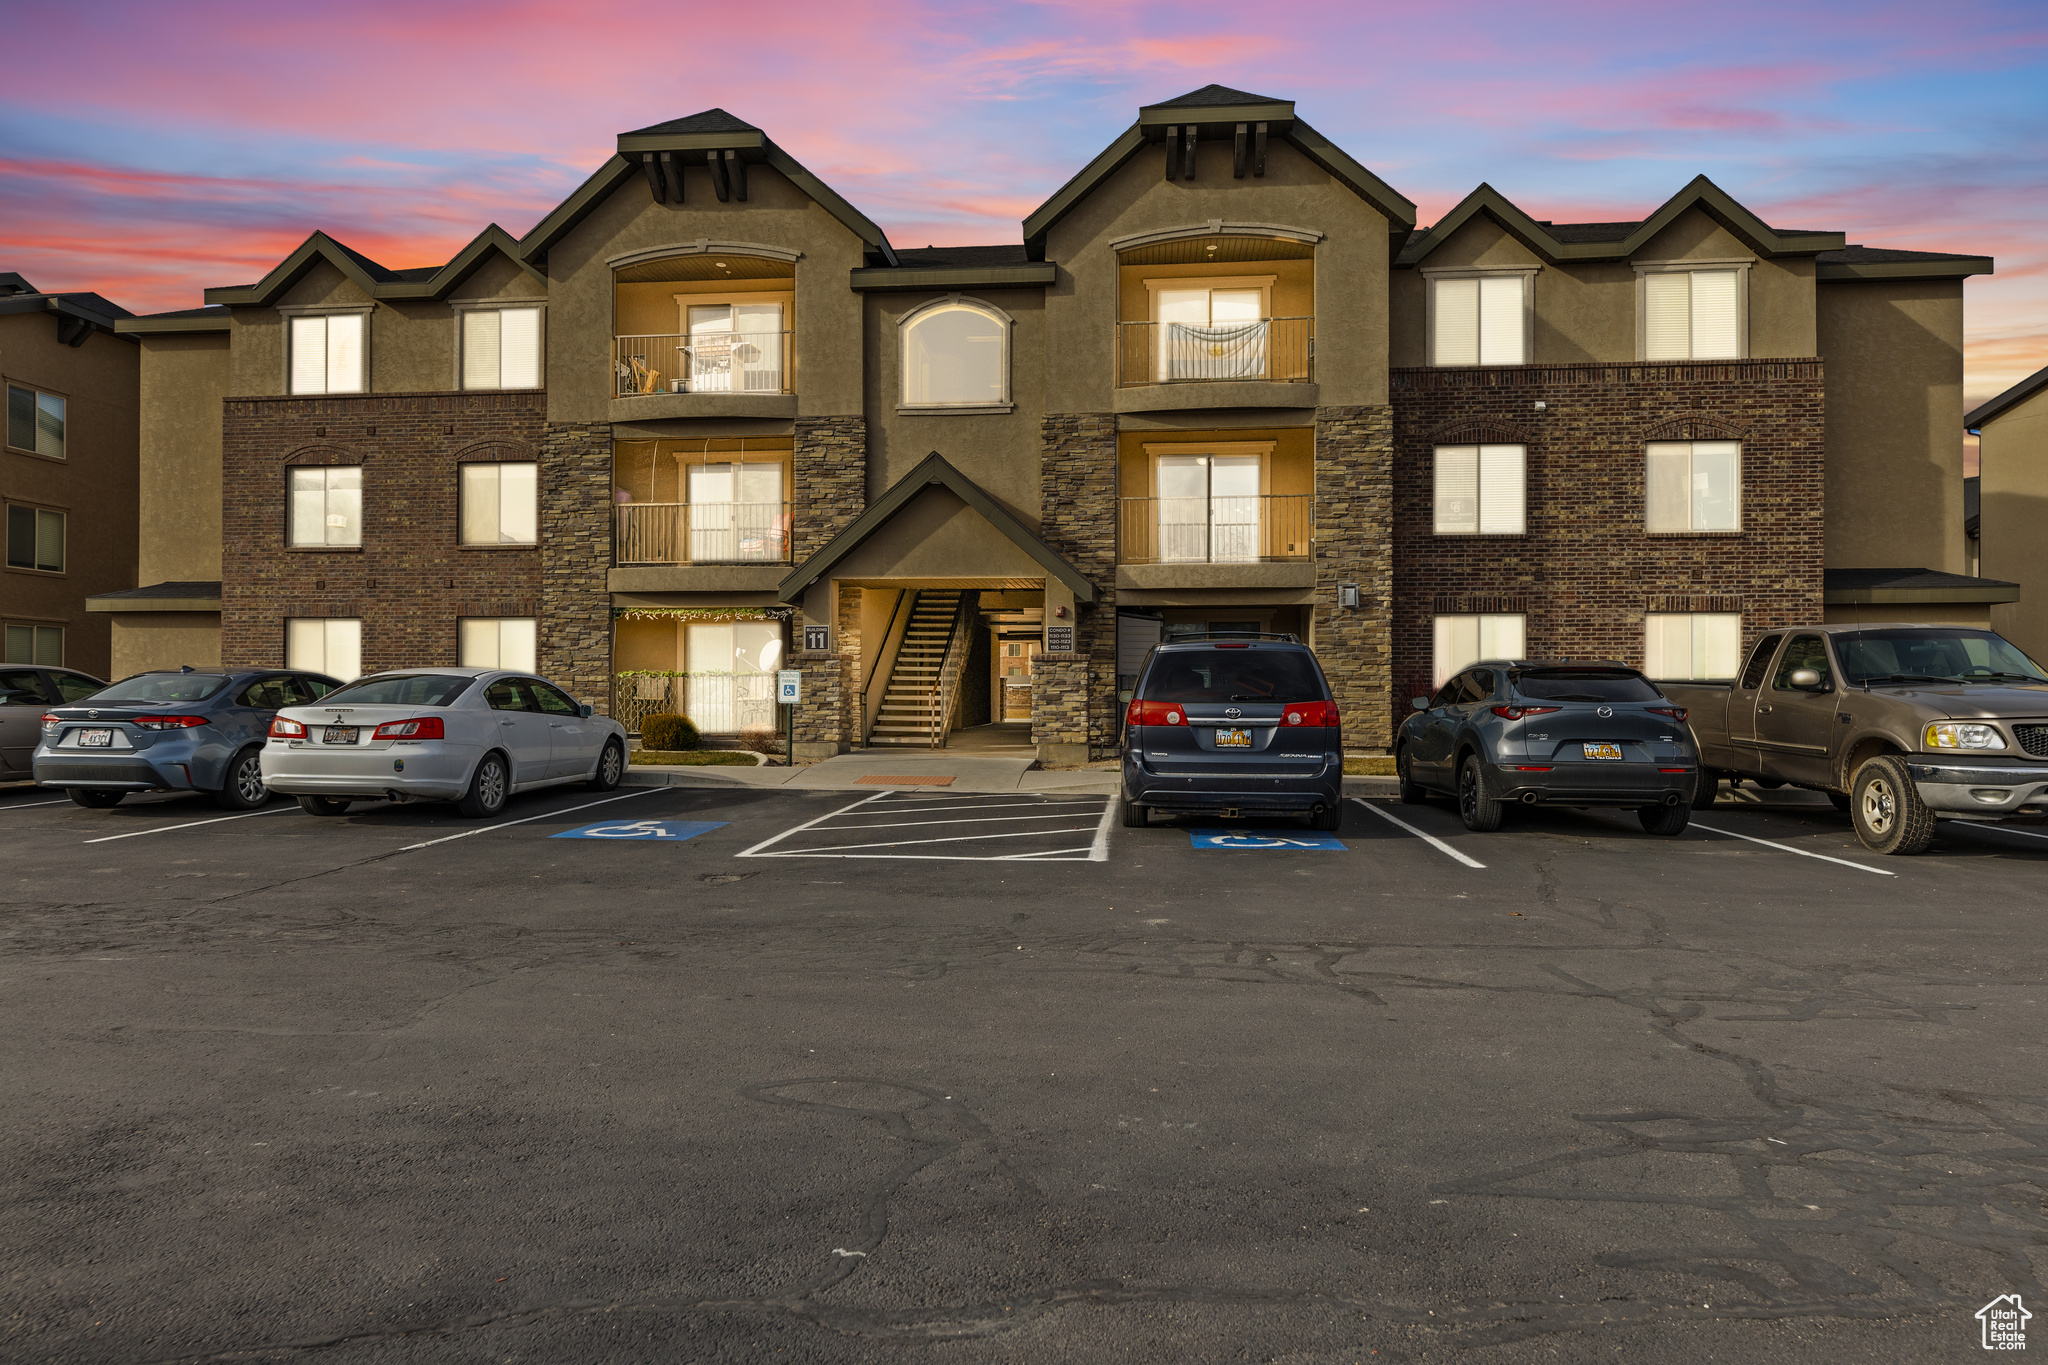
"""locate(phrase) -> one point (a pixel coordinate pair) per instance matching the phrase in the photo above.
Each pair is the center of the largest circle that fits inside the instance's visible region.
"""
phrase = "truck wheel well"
(1864, 751)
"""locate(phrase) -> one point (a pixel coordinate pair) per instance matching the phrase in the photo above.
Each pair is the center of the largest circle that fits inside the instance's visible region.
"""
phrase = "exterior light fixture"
(1541, 406)
(1347, 595)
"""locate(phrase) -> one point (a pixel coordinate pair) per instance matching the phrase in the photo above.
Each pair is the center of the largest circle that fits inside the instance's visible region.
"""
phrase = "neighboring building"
(67, 472)
(2012, 471)
(705, 421)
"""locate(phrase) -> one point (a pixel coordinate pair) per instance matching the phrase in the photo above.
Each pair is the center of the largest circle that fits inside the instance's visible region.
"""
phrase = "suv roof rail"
(1281, 637)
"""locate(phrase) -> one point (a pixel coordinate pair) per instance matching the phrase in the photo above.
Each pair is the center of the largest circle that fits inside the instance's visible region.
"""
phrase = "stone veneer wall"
(1073, 696)
(1586, 571)
(830, 477)
(1354, 544)
(575, 559)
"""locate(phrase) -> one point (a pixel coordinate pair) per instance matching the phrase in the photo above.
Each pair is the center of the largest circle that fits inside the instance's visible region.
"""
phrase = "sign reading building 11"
(817, 639)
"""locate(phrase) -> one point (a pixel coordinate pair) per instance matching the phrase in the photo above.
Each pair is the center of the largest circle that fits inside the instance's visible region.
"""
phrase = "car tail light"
(426, 727)
(169, 722)
(1517, 712)
(1675, 712)
(51, 722)
(280, 728)
(1312, 713)
(1239, 645)
(1674, 770)
(1155, 713)
(1527, 769)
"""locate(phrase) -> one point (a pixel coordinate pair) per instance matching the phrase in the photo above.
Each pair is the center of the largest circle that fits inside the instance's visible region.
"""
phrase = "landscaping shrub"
(759, 739)
(668, 732)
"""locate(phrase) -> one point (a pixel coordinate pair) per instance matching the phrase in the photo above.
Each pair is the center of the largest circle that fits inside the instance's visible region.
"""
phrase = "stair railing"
(944, 695)
(883, 665)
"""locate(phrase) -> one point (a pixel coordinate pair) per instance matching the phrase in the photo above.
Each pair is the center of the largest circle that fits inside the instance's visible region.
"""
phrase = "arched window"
(956, 354)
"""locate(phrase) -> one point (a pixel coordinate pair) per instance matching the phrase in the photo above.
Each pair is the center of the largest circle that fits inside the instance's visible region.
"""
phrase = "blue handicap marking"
(1259, 838)
(644, 830)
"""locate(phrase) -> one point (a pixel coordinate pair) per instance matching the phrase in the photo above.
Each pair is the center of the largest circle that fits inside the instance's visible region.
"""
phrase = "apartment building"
(2012, 449)
(67, 472)
(705, 421)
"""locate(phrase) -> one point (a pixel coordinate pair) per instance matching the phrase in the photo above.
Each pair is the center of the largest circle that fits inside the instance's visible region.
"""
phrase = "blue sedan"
(190, 730)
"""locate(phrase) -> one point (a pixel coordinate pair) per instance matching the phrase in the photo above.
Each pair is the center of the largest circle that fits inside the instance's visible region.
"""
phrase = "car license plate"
(340, 734)
(1611, 751)
(95, 739)
(1233, 739)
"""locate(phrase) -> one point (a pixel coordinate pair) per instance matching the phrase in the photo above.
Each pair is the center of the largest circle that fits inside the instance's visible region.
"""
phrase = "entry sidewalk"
(969, 772)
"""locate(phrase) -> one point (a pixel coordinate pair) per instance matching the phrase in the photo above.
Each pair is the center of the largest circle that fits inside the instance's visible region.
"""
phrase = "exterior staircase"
(916, 684)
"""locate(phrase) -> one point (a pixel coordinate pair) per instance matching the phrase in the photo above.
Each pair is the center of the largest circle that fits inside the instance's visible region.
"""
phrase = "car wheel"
(1665, 819)
(1706, 788)
(1329, 820)
(1477, 805)
(1136, 816)
(95, 800)
(1413, 793)
(488, 787)
(1887, 810)
(323, 805)
(611, 767)
(1839, 800)
(242, 786)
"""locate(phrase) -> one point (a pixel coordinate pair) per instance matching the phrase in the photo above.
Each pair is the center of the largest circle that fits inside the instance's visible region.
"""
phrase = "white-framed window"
(1699, 644)
(1481, 490)
(499, 642)
(742, 346)
(501, 348)
(331, 644)
(1692, 486)
(730, 683)
(35, 421)
(500, 503)
(327, 505)
(1463, 640)
(327, 353)
(1212, 329)
(1693, 312)
(1479, 319)
(956, 354)
(34, 645)
(35, 538)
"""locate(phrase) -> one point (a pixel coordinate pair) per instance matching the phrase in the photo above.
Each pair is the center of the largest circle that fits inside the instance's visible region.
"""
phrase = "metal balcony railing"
(716, 703)
(705, 362)
(1216, 530)
(700, 533)
(1274, 350)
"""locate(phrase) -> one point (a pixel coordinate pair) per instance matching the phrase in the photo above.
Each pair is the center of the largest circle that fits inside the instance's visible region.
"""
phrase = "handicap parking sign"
(1263, 839)
(647, 831)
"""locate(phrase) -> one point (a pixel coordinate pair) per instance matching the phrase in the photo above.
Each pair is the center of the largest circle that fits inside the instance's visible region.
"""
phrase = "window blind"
(1500, 319)
(1715, 335)
(1502, 473)
(309, 355)
(519, 348)
(1457, 323)
(1668, 486)
(345, 353)
(1691, 644)
(50, 541)
(1462, 640)
(1457, 490)
(1481, 490)
(1667, 316)
(1693, 486)
(480, 337)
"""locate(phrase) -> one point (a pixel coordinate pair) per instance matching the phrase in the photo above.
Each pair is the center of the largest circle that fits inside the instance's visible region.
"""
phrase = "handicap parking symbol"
(644, 830)
(1263, 839)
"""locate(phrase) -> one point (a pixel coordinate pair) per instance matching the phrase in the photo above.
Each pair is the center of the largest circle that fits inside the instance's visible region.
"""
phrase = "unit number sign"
(1059, 639)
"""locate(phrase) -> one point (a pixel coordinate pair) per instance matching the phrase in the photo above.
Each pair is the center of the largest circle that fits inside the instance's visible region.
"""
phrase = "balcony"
(716, 703)
(704, 374)
(1268, 363)
(660, 533)
(1258, 529)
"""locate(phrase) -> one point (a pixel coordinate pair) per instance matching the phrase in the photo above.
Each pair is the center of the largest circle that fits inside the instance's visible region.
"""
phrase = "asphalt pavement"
(730, 1074)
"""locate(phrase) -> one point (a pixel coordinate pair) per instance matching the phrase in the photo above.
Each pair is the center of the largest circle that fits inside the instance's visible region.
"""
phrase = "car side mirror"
(587, 710)
(1419, 703)
(1805, 679)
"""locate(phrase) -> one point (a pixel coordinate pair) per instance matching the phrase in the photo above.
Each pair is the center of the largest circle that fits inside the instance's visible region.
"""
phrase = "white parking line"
(949, 839)
(1860, 867)
(1008, 805)
(1098, 852)
(26, 804)
(921, 824)
(191, 824)
(2002, 829)
(1430, 839)
(755, 851)
(485, 829)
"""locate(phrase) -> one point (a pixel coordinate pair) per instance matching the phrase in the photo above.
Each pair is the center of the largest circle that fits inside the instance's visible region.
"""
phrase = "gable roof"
(375, 280)
(1214, 97)
(2011, 398)
(212, 318)
(933, 469)
(79, 314)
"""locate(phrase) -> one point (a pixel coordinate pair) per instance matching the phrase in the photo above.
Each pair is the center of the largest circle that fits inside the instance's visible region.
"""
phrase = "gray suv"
(1233, 726)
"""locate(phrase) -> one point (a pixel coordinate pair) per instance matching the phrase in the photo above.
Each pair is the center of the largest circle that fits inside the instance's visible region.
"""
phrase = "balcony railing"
(1219, 530)
(716, 703)
(700, 533)
(1273, 350)
(705, 362)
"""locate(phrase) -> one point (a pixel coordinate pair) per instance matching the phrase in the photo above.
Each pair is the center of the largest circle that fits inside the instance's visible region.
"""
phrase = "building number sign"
(1059, 639)
(817, 639)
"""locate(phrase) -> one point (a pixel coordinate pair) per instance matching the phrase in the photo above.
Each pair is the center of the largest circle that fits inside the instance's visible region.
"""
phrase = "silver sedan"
(473, 736)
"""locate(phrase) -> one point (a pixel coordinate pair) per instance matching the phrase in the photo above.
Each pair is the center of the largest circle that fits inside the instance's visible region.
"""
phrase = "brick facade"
(1354, 509)
(1586, 571)
(1073, 696)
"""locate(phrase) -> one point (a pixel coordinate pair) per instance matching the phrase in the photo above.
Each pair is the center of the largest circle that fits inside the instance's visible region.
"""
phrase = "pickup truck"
(1900, 726)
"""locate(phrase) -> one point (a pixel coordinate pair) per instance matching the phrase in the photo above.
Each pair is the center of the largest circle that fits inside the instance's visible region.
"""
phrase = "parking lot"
(706, 1073)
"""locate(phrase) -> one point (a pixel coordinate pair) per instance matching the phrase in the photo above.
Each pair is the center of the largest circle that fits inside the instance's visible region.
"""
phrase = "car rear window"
(1584, 684)
(1232, 675)
(164, 687)
(403, 689)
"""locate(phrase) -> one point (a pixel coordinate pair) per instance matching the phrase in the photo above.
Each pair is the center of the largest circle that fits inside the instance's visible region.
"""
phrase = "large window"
(500, 504)
(1693, 486)
(35, 538)
(330, 645)
(327, 353)
(1692, 314)
(1692, 644)
(734, 347)
(1481, 490)
(327, 505)
(35, 421)
(731, 674)
(501, 348)
(1463, 640)
(1479, 320)
(737, 515)
(955, 354)
(498, 642)
(35, 645)
(1209, 508)
(1216, 329)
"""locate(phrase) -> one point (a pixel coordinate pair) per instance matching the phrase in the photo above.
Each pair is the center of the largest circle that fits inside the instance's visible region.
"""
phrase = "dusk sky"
(149, 150)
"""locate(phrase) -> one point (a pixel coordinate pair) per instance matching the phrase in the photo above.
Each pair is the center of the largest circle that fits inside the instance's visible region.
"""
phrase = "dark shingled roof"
(188, 589)
(1210, 96)
(211, 310)
(1837, 579)
(925, 257)
(11, 283)
(1590, 232)
(1872, 255)
(2012, 397)
(709, 121)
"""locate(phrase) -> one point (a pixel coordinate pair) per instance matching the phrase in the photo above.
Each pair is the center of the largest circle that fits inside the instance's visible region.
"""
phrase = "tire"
(489, 786)
(1887, 810)
(1665, 820)
(1136, 816)
(241, 784)
(1477, 805)
(1413, 793)
(94, 800)
(611, 768)
(1839, 800)
(1328, 821)
(1706, 789)
(323, 805)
